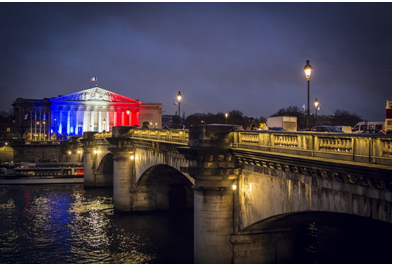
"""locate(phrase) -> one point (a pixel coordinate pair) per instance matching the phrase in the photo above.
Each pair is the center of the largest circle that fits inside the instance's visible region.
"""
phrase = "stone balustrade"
(349, 147)
(177, 136)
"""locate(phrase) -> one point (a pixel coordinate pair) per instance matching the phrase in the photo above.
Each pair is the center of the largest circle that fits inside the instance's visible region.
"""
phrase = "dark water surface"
(70, 224)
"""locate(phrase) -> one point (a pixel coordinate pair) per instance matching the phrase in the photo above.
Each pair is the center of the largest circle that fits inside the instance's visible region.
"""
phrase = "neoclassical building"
(94, 109)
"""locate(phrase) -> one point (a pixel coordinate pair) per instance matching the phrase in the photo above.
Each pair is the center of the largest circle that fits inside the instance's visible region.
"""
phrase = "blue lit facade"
(94, 109)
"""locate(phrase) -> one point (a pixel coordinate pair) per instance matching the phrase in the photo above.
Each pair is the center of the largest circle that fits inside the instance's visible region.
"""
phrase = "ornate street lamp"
(226, 118)
(104, 121)
(307, 71)
(178, 101)
(316, 104)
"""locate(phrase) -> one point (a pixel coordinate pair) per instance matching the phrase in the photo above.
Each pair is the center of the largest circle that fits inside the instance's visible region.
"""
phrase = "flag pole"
(31, 126)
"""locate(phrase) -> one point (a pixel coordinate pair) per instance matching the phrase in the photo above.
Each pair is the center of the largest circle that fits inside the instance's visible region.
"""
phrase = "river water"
(70, 224)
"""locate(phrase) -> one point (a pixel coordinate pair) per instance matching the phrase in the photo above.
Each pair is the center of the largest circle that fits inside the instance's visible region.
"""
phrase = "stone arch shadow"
(162, 187)
(314, 237)
(104, 173)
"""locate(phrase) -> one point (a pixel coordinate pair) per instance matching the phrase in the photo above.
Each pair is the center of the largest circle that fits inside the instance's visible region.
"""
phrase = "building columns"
(135, 117)
(115, 117)
(100, 120)
(92, 119)
(76, 131)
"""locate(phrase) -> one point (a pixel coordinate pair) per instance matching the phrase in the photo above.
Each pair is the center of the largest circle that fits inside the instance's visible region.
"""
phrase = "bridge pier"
(264, 247)
(214, 171)
(213, 219)
(88, 159)
(122, 181)
(123, 172)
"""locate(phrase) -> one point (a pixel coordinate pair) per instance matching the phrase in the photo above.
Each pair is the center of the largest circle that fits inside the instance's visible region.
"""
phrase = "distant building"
(388, 117)
(167, 120)
(94, 109)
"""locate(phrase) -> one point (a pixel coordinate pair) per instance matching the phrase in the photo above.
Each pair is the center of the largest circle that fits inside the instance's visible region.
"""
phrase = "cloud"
(224, 56)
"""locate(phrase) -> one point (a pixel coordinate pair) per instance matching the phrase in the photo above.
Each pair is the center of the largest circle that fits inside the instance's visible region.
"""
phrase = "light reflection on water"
(68, 224)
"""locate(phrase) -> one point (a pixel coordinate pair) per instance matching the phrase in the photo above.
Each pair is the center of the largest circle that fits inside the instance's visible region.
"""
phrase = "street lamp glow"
(317, 107)
(307, 71)
(178, 100)
(316, 103)
(226, 118)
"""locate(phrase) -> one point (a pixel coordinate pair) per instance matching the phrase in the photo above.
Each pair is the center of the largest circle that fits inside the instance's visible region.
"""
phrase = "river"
(70, 224)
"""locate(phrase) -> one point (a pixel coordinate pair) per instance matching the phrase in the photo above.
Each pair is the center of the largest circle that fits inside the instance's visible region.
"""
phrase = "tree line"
(339, 117)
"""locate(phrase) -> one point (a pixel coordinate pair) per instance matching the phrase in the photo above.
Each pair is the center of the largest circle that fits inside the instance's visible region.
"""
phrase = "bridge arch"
(314, 237)
(162, 187)
(104, 171)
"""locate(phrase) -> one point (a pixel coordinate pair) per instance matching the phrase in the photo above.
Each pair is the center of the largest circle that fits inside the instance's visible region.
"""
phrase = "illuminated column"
(85, 120)
(135, 116)
(68, 121)
(99, 120)
(76, 120)
(107, 120)
(122, 116)
(92, 118)
(60, 131)
(115, 117)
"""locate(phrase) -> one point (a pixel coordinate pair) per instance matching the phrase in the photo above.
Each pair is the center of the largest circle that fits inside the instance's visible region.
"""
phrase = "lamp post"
(178, 101)
(104, 121)
(38, 137)
(226, 118)
(316, 104)
(307, 71)
(44, 129)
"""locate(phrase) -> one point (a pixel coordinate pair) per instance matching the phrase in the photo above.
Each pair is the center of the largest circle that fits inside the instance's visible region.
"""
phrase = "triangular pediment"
(95, 94)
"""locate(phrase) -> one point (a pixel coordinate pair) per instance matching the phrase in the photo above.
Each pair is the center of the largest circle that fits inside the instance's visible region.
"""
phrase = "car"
(373, 131)
(280, 129)
(325, 128)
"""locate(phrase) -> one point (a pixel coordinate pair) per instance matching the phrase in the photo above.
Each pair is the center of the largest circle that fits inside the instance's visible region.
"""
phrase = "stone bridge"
(258, 196)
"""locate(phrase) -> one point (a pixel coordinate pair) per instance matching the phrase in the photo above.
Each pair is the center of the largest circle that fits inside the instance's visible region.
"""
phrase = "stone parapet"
(175, 136)
(347, 147)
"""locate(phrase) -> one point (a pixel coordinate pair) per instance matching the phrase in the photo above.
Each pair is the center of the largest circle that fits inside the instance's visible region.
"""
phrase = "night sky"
(221, 56)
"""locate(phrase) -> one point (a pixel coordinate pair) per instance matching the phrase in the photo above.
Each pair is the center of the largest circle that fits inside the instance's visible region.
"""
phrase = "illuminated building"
(388, 117)
(94, 109)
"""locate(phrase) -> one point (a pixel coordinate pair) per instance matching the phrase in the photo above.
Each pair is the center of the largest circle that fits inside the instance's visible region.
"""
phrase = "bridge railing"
(348, 147)
(177, 136)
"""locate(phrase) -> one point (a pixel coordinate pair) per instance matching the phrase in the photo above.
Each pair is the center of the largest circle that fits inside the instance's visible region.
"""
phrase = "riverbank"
(40, 181)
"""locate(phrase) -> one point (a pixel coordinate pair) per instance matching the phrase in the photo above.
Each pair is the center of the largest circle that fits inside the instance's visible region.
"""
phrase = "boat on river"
(41, 173)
